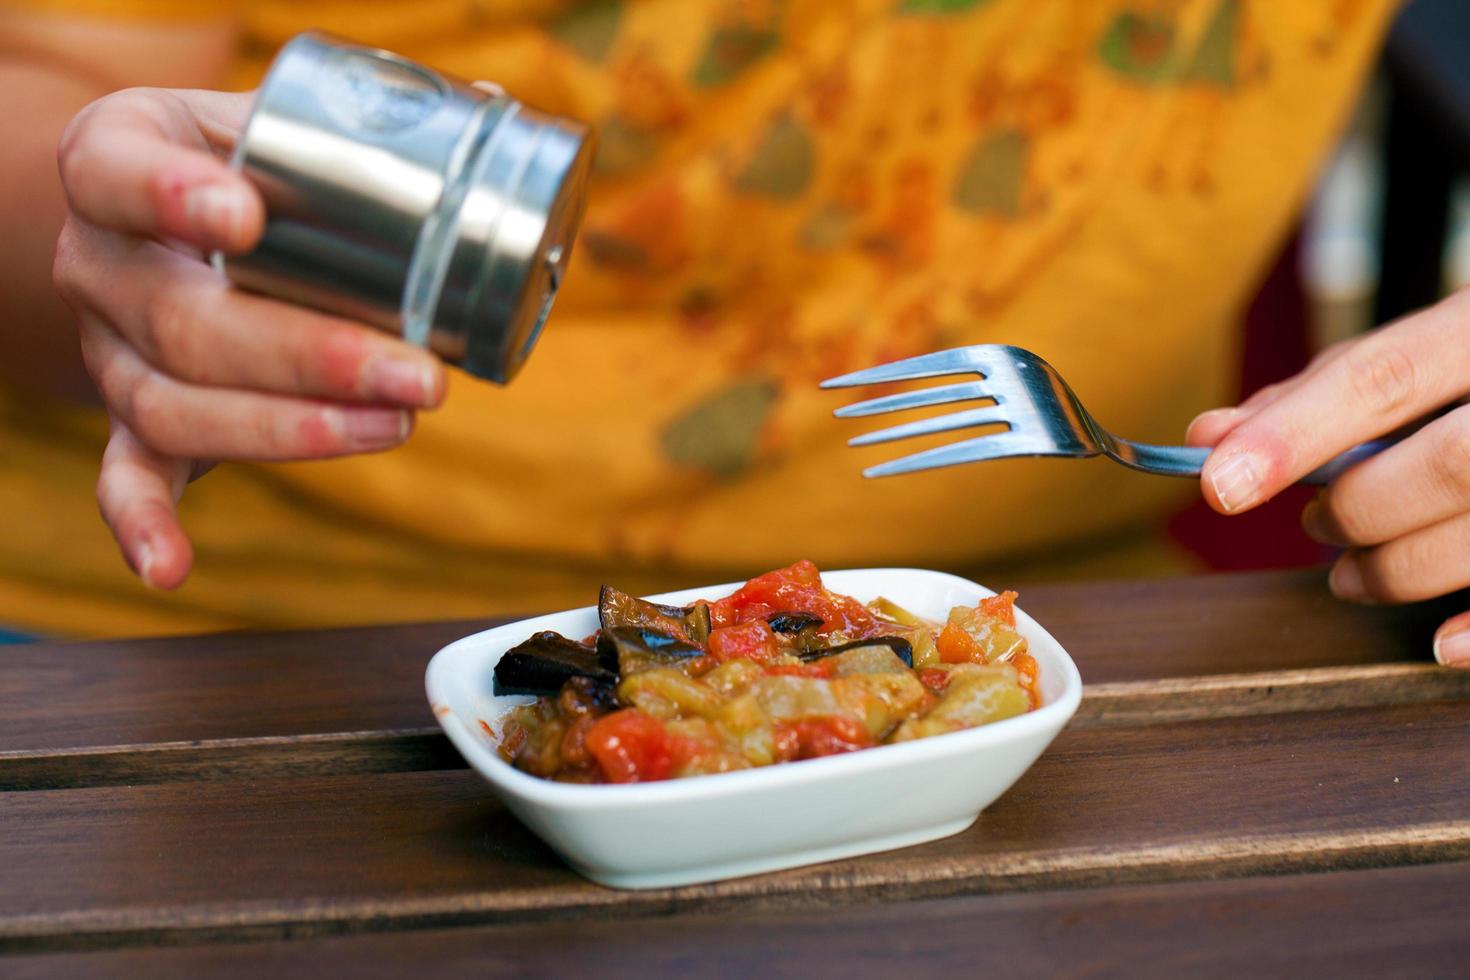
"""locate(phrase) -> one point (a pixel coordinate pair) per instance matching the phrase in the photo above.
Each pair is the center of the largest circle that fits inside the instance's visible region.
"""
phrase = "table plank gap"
(1174, 699)
(1290, 925)
(1124, 703)
(824, 886)
(269, 757)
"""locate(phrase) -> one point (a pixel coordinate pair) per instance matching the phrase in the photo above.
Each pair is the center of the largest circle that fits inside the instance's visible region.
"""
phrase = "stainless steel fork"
(1044, 416)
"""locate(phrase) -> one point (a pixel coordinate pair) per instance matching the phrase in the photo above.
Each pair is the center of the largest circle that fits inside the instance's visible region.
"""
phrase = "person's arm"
(50, 68)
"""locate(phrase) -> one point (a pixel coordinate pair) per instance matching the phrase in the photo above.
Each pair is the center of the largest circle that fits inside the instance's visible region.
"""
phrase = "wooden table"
(1260, 779)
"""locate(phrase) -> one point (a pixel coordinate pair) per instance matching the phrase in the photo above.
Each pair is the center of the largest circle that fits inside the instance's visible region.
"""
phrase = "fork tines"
(960, 360)
(922, 398)
(963, 360)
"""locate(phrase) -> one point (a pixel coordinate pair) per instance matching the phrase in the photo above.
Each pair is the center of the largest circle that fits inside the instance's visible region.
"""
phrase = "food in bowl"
(778, 671)
(671, 832)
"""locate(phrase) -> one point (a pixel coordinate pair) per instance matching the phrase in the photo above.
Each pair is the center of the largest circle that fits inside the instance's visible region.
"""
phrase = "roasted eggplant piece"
(792, 623)
(584, 697)
(629, 649)
(545, 662)
(617, 609)
(900, 647)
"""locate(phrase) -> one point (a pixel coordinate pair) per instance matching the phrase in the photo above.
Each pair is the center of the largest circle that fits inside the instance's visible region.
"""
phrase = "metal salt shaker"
(411, 201)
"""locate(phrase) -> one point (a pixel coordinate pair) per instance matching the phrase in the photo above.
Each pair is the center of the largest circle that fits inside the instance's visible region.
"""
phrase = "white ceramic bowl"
(705, 828)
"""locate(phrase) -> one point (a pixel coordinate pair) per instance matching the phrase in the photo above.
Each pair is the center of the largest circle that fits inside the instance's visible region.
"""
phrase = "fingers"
(1420, 565)
(1210, 427)
(1369, 388)
(138, 161)
(1421, 481)
(188, 322)
(1452, 642)
(220, 116)
(137, 492)
(178, 419)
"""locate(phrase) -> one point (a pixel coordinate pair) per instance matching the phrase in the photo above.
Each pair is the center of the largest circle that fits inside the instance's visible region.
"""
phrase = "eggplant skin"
(641, 643)
(617, 609)
(697, 622)
(546, 661)
(901, 647)
(791, 623)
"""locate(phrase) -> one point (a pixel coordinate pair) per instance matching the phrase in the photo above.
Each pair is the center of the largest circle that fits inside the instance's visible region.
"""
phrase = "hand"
(191, 370)
(1403, 515)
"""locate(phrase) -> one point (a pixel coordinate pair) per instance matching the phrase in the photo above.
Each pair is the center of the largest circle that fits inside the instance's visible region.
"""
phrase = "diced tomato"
(630, 747)
(1030, 672)
(1001, 607)
(933, 678)
(797, 588)
(821, 669)
(801, 572)
(753, 641)
(685, 752)
(785, 743)
(811, 738)
(956, 646)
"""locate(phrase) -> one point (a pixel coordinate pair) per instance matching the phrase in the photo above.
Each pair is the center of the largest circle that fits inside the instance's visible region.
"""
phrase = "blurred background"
(1387, 233)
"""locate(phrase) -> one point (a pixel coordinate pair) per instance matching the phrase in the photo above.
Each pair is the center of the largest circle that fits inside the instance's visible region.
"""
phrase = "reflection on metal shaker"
(411, 201)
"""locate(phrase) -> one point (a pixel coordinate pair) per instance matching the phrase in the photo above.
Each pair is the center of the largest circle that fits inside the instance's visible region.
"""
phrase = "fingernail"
(1453, 650)
(1346, 581)
(396, 380)
(143, 559)
(1237, 482)
(215, 211)
(374, 428)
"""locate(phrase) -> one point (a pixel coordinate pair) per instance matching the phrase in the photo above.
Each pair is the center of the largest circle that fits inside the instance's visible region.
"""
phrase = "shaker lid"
(537, 167)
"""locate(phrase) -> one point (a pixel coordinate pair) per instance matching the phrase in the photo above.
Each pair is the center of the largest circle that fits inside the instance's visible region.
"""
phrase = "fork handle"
(1334, 467)
(1189, 460)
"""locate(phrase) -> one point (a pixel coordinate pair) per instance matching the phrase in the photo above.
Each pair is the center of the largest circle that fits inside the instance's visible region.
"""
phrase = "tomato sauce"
(796, 588)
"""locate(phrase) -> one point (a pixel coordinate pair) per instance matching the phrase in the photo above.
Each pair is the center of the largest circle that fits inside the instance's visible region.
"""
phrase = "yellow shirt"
(785, 190)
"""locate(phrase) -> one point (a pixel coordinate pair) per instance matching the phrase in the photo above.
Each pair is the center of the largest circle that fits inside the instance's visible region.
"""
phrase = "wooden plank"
(221, 686)
(238, 686)
(1382, 922)
(1239, 623)
(1173, 699)
(251, 859)
(1162, 701)
(268, 757)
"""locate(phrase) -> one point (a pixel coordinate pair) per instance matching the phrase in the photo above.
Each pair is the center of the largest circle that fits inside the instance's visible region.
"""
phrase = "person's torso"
(785, 191)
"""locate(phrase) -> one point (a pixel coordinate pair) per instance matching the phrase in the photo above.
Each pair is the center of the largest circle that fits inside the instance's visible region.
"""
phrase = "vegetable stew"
(778, 671)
